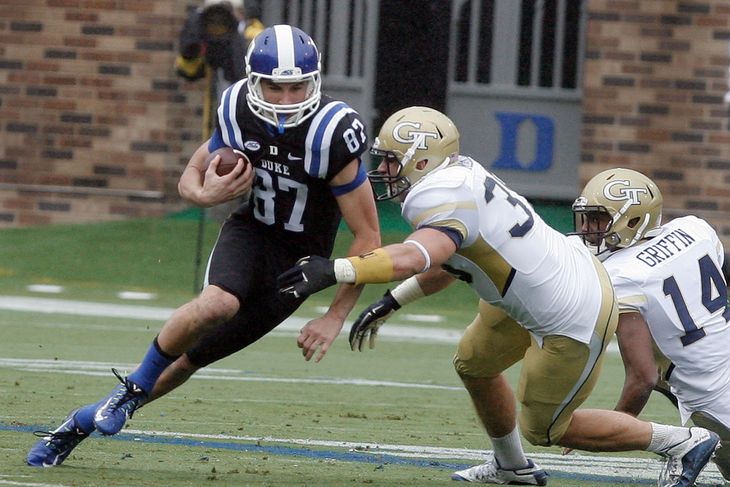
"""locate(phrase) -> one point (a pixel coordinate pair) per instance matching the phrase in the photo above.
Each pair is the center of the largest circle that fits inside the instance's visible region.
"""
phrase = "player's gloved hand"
(311, 274)
(371, 319)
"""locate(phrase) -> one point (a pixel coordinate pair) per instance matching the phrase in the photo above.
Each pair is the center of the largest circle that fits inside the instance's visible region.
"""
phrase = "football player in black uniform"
(305, 174)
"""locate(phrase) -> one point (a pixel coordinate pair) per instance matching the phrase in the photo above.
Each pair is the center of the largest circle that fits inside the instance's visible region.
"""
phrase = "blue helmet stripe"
(270, 59)
(302, 53)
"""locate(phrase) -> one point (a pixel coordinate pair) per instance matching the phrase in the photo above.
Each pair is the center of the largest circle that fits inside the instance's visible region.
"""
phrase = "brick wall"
(94, 123)
(655, 78)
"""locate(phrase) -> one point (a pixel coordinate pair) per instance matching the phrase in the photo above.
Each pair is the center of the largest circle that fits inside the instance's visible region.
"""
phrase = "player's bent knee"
(214, 305)
(536, 437)
(185, 365)
(470, 367)
(534, 430)
(469, 362)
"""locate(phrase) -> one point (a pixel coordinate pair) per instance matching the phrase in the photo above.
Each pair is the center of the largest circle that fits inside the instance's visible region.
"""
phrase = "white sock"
(508, 451)
(664, 437)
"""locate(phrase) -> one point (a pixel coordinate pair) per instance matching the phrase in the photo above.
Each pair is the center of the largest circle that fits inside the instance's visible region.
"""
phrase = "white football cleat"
(686, 459)
(491, 473)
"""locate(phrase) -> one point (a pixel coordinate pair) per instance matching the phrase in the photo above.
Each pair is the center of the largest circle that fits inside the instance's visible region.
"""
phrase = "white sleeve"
(629, 293)
(444, 205)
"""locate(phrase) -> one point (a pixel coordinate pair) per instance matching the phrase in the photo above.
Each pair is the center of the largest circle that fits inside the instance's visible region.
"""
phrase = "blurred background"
(96, 124)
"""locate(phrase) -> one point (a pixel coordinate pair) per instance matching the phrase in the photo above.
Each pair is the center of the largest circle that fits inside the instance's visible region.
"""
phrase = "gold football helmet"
(630, 203)
(409, 136)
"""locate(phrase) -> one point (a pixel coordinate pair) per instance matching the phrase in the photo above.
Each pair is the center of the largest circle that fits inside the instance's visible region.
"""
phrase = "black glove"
(311, 274)
(371, 319)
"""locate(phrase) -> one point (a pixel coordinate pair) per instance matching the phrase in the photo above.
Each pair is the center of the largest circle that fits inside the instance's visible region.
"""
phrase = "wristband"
(407, 291)
(371, 267)
(344, 271)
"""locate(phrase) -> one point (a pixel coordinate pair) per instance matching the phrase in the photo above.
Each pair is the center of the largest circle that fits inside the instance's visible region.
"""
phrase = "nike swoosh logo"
(97, 414)
(293, 158)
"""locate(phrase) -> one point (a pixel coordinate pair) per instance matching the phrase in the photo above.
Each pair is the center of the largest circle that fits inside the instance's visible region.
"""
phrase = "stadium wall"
(95, 125)
(655, 82)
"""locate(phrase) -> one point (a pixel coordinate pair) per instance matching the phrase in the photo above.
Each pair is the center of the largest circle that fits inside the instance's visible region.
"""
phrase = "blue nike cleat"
(686, 460)
(120, 405)
(54, 446)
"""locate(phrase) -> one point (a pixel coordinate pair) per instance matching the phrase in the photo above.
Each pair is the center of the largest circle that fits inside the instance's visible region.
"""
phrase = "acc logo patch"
(252, 145)
(408, 133)
(619, 191)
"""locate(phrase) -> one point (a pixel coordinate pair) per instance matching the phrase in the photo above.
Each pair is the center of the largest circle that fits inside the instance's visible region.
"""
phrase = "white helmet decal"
(624, 193)
(411, 136)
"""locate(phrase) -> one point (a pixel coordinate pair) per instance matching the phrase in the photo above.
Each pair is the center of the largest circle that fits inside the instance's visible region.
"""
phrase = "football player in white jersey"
(545, 300)
(673, 323)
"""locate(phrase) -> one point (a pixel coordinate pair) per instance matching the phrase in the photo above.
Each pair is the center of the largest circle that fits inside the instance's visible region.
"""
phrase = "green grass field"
(396, 415)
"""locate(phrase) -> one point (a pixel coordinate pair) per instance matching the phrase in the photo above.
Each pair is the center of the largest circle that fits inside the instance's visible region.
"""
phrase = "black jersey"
(291, 195)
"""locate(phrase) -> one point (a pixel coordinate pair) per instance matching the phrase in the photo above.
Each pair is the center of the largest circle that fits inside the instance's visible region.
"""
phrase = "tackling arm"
(425, 248)
(374, 316)
(635, 344)
(358, 210)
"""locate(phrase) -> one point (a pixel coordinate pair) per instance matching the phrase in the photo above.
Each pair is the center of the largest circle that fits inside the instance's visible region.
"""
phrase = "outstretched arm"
(368, 323)
(358, 211)
(423, 249)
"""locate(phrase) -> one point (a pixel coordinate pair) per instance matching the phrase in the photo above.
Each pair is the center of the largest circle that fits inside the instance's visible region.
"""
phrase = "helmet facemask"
(594, 224)
(398, 183)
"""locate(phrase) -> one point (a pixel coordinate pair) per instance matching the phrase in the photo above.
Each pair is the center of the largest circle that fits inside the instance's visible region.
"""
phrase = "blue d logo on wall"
(545, 136)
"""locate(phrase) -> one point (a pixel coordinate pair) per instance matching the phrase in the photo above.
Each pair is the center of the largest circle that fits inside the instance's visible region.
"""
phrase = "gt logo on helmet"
(412, 136)
(623, 193)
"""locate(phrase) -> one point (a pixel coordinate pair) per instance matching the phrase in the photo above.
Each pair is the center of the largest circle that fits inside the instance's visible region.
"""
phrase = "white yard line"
(390, 331)
(101, 369)
(26, 484)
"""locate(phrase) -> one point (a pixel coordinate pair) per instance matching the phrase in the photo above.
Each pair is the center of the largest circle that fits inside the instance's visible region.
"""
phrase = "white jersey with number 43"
(544, 280)
(675, 281)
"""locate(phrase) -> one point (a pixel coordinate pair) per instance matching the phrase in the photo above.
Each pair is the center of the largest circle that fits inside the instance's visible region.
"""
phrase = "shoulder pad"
(231, 131)
(321, 137)
(446, 178)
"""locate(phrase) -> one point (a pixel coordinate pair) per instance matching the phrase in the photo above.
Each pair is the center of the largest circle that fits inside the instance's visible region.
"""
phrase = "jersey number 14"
(709, 277)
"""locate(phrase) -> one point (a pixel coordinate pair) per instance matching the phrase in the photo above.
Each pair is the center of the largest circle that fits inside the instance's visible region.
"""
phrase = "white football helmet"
(409, 136)
(632, 202)
(283, 54)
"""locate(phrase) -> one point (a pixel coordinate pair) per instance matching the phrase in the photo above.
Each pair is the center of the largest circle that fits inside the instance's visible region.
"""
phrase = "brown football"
(229, 159)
